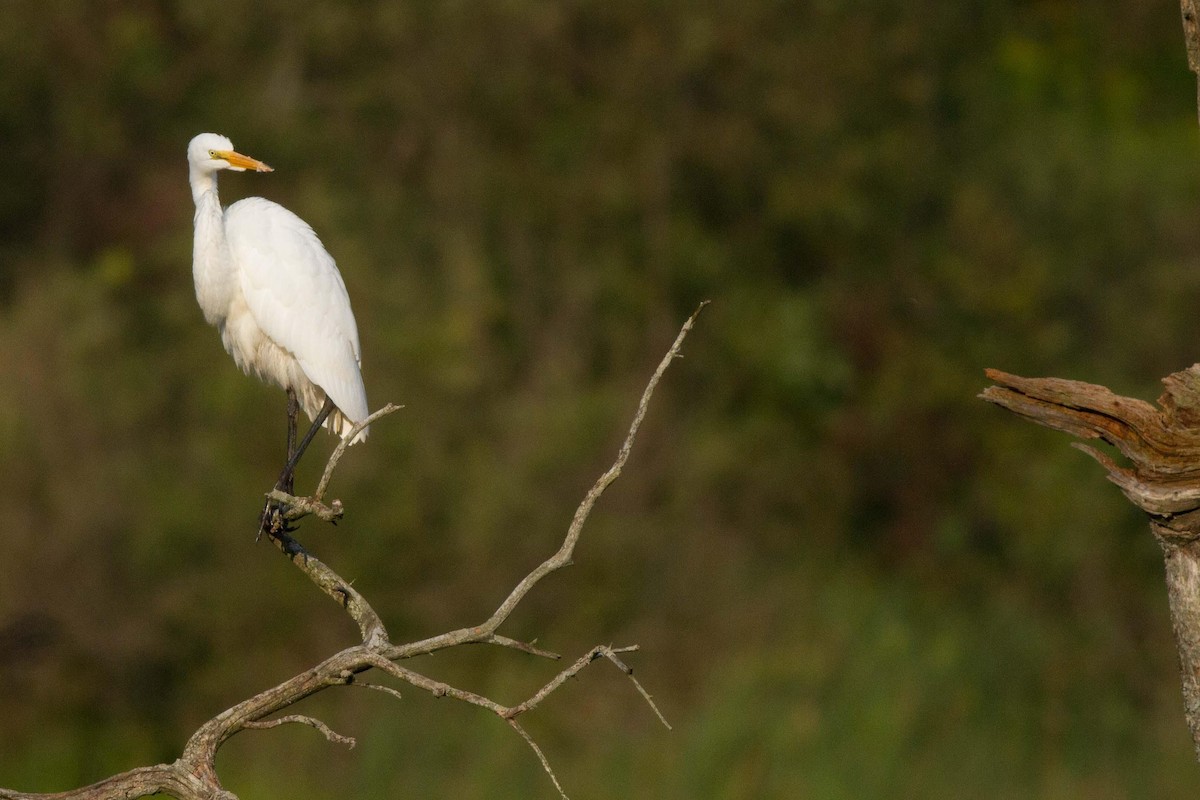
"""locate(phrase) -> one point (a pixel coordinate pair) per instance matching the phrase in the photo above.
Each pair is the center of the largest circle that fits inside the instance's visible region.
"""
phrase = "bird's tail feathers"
(341, 425)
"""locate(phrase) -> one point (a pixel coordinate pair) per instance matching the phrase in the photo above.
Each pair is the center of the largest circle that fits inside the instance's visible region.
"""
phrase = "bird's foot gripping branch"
(1162, 478)
(283, 509)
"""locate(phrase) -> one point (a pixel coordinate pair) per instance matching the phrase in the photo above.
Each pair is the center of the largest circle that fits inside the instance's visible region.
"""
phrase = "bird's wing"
(295, 293)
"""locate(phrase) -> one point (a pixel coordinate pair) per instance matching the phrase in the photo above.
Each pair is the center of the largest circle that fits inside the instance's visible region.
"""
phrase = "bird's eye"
(212, 153)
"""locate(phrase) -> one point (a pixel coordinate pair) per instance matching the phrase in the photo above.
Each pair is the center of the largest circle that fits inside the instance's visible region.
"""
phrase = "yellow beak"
(239, 162)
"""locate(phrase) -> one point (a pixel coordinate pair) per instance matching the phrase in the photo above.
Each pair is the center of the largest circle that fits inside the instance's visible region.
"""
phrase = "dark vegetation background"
(850, 577)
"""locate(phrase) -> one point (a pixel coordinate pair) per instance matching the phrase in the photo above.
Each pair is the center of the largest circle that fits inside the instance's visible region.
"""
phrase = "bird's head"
(210, 152)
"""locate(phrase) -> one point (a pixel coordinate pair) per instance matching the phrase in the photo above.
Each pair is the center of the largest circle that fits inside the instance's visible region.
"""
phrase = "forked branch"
(193, 776)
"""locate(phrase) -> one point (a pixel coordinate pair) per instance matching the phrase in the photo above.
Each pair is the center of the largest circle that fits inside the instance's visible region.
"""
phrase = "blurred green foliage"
(849, 576)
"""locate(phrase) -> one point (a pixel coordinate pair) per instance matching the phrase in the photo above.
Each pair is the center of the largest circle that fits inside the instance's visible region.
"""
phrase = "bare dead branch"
(611, 655)
(510, 713)
(173, 779)
(434, 687)
(370, 625)
(599, 651)
(193, 776)
(516, 726)
(524, 647)
(331, 465)
(1162, 478)
(379, 687)
(296, 508)
(302, 719)
(562, 557)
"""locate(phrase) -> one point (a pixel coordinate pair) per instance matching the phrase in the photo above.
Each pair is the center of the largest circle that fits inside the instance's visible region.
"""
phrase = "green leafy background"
(850, 577)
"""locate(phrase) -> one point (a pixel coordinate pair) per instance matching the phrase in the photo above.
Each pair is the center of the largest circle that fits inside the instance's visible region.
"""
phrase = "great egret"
(276, 296)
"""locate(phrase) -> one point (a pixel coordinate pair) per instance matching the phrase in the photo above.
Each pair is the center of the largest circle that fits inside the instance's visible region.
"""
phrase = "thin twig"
(302, 719)
(611, 655)
(439, 689)
(524, 647)
(379, 687)
(516, 726)
(510, 713)
(599, 651)
(330, 465)
(561, 558)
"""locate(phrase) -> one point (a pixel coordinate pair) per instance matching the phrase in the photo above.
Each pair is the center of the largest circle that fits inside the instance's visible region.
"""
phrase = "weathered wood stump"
(1162, 445)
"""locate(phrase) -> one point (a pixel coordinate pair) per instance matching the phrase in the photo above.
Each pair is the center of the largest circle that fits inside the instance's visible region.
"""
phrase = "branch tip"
(301, 719)
(541, 756)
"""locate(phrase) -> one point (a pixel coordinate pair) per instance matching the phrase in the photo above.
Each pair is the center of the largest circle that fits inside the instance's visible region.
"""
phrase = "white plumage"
(274, 293)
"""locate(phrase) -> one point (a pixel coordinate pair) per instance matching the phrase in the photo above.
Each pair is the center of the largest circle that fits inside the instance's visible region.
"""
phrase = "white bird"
(276, 297)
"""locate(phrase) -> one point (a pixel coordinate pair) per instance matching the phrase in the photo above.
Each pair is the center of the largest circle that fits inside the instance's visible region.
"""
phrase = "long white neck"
(202, 182)
(212, 265)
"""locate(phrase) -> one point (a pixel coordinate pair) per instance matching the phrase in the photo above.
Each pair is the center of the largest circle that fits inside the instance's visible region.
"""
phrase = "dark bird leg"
(293, 407)
(287, 478)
